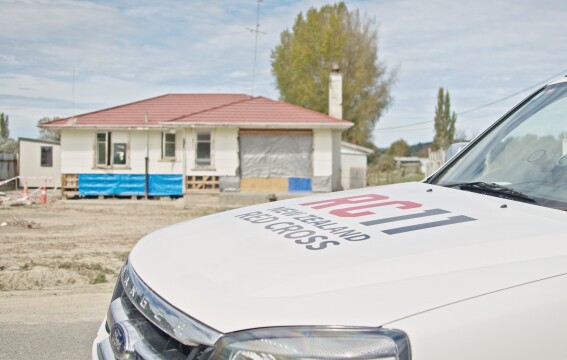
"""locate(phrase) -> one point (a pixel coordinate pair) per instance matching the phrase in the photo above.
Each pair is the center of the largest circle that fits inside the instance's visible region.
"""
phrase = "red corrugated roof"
(200, 108)
(158, 109)
(258, 110)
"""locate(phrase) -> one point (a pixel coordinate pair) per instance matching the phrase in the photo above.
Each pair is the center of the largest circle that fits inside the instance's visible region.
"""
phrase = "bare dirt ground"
(78, 243)
(58, 266)
(59, 261)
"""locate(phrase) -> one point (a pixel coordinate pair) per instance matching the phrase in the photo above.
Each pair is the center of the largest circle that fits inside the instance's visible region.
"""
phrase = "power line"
(517, 93)
(406, 126)
(482, 106)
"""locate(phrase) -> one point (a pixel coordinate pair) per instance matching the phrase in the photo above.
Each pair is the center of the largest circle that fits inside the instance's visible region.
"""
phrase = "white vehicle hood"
(366, 260)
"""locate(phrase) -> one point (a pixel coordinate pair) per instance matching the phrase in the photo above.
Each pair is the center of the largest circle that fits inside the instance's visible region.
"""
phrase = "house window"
(102, 149)
(168, 146)
(110, 153)
(203, 151)
(47, 156)
(119, 154)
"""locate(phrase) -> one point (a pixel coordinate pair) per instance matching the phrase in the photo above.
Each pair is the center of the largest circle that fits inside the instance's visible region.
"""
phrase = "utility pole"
(256, 31)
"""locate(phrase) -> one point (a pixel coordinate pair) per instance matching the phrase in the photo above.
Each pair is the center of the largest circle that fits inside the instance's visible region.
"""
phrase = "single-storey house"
(39, 163)
(179, 143)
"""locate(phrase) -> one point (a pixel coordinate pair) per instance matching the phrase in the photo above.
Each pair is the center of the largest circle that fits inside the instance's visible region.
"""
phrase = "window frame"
(210, 165)
(115, 147)
(106, 144)
(43, 163)
(165, 142)
(110, 148)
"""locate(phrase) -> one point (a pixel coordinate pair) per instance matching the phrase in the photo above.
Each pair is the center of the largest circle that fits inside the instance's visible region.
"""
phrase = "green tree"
(399, 148)
(444, 121)
(48, 134)
(386, 163)
(302, 61)
(4, 127)
(7, 145)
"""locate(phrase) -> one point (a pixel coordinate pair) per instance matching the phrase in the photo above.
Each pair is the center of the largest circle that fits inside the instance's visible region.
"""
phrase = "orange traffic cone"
(43, 197)
(26, 195)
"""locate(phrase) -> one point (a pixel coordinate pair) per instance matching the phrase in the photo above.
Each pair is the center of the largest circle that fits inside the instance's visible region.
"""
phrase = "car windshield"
(526, 152)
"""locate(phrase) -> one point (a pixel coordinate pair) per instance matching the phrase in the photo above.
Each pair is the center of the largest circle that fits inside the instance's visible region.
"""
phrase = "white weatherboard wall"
(349, 161)
(224, 152)
(322, 152)
(336, 178)
(30, 168)
(156, 164)
(354, 160)
(78, 152)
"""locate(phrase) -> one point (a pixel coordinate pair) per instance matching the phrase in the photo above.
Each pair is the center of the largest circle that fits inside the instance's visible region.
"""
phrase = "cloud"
(480, 51)
(125, 51)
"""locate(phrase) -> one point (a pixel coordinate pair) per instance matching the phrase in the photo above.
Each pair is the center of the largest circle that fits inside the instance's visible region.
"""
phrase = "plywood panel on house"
(264, 185)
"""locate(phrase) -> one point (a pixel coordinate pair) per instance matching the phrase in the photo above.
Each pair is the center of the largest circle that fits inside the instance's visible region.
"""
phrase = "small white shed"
(39, 162)
(354, 163)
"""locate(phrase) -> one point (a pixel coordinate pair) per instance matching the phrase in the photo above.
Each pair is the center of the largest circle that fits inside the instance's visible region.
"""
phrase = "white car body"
(464, 275)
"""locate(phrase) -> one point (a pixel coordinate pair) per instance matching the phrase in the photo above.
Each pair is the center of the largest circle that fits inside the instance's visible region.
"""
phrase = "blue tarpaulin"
(166, 185)
(299, 185)
(126, 184)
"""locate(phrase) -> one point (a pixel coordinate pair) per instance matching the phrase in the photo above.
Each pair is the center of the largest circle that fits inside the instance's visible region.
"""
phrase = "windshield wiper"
(494, 190)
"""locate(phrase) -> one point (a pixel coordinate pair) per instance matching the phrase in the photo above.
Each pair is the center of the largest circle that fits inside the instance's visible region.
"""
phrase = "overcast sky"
(123, 51)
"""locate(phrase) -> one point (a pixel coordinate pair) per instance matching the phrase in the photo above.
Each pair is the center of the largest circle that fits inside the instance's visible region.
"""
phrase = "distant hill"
(419, 149)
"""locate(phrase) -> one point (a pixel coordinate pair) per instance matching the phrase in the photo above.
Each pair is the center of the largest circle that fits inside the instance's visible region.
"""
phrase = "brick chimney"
(336, 92)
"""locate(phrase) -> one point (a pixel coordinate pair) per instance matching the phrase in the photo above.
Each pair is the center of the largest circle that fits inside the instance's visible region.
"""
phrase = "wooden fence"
(8, 166)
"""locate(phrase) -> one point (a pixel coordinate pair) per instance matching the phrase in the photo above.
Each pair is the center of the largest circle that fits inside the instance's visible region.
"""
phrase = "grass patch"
(392, 177)
(82, 267)
(94, 267)
(122, 256)
(99, 279)
(65, 265)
